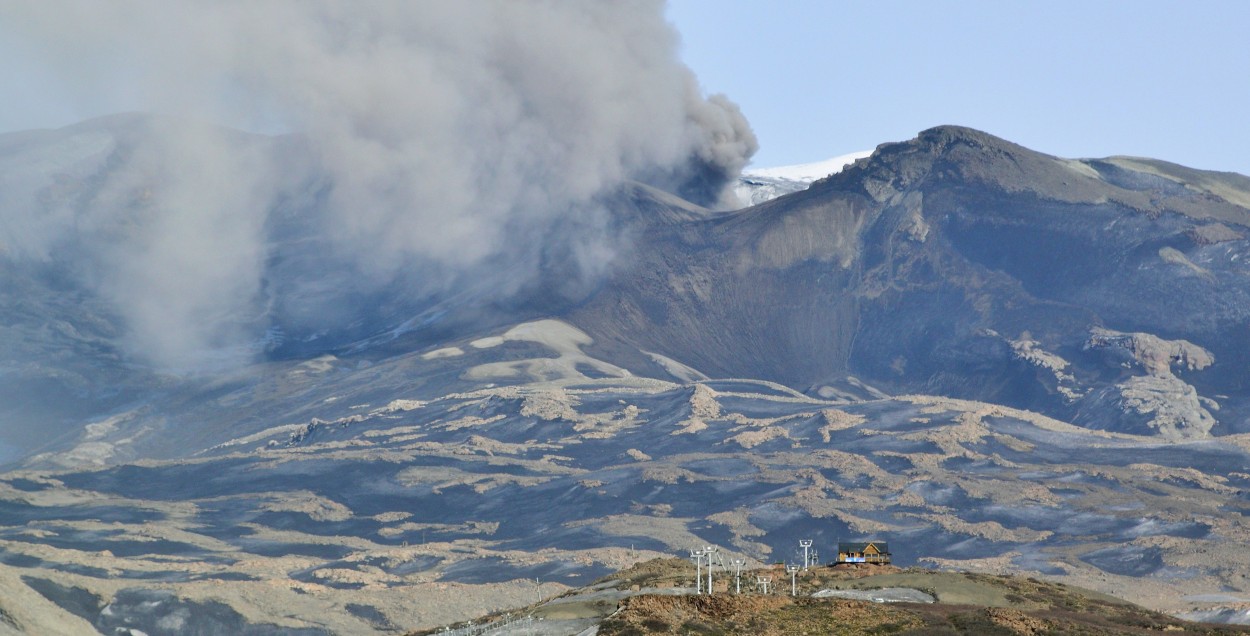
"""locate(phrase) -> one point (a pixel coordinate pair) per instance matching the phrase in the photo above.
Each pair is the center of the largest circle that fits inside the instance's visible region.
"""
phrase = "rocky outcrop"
(1159, 402)
(1173, 407)
(1152, 353)
(1054, 369)
(1151, 405)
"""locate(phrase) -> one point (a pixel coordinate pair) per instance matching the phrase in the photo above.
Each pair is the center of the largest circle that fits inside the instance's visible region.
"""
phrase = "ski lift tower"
(697, 555)
(738, 563)
(762, 582)
(793, 569)
(806, 544)
(710, 551)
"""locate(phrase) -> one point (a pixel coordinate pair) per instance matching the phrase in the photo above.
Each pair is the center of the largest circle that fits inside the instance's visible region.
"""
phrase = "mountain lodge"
(869, 552)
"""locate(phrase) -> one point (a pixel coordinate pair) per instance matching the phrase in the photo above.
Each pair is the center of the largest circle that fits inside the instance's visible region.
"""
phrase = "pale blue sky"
(1169, 80)
(817, 78)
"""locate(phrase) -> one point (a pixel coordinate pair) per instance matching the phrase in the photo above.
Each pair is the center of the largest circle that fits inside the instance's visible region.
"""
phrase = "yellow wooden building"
(866, 552)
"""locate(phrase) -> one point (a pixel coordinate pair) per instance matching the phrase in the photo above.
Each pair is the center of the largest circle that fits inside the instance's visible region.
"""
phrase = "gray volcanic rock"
(727, 381)
(1154, 354)
(419, 512)
(955, 264)
(897, 270)
(1161, 402)
(1153, 405)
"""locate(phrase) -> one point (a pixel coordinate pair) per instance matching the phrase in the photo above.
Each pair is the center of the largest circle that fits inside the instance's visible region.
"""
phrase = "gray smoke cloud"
(425, 136)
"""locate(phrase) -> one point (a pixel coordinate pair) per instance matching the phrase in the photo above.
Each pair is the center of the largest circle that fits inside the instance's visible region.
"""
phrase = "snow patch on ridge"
(809, 172)
(764, 184)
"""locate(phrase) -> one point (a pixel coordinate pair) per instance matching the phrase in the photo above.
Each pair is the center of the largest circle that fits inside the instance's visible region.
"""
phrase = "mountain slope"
(955, 264)
(1000, 360)
(963, 265)
(419, 511)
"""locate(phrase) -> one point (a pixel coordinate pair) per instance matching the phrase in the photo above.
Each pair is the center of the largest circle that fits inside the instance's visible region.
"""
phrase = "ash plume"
(422, 144)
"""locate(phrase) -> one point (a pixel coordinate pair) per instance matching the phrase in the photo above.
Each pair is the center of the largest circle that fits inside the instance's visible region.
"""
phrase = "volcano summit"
(995, 359)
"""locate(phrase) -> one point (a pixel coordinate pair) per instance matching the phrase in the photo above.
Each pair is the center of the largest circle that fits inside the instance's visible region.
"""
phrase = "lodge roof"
(860, 547)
